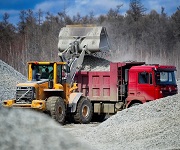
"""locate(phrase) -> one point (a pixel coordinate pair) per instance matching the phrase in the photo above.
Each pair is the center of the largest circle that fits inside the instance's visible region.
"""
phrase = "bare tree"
(136, 9)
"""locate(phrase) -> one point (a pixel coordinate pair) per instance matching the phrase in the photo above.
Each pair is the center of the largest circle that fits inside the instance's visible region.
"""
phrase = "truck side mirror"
(157, 76)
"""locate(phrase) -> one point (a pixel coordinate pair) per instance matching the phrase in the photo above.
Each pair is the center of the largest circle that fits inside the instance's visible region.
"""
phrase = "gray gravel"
(92, 63)
(154, 125)
(26, 129)
(29, 130)
(9, 77)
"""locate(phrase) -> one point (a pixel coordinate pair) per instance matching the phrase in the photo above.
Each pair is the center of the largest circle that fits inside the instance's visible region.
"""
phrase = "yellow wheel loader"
(50, 87)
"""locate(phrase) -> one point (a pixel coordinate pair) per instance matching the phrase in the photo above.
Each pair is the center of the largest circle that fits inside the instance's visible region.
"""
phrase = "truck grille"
(24, 94)
(168, 93)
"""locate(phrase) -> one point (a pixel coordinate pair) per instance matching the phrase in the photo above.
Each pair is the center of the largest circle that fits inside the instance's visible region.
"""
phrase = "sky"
(84, 7)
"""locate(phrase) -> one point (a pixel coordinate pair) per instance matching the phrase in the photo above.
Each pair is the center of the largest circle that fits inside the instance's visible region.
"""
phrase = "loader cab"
(47, 71)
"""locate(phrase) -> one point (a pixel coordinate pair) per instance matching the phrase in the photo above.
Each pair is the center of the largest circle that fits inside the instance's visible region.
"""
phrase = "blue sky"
(84, 7)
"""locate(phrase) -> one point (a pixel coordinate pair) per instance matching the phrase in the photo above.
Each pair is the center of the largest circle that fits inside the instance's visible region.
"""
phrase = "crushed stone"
(9, 77)
(23, 129)
(153, 125)
(93, 63)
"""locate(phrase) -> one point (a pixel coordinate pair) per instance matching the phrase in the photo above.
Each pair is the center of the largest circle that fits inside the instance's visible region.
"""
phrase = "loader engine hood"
(26, 92)
(94, 37)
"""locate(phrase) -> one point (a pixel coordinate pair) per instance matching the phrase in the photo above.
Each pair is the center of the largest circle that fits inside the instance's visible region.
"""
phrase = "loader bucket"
(94, 37)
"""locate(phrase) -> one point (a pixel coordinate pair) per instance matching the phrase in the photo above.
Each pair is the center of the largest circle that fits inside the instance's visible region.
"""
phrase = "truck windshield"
(165, 77)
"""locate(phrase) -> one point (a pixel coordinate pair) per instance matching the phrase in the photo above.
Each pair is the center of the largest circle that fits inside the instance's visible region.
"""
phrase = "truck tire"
(98, 117)
(84, 111)
(135, 104)
(56, 108)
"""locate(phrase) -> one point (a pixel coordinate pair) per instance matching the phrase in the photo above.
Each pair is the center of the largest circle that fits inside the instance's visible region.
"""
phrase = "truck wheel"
(135, 104)
(98, 117)
(84, 111)
(56, 108)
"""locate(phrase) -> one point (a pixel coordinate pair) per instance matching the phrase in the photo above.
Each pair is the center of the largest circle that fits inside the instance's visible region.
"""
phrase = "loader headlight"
(18, 88)
(30, 88)
(34, 95)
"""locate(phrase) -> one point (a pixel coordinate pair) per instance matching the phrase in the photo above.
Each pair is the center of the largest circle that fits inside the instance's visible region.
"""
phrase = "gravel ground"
(8, 80)
(154, 125)
(29, 130)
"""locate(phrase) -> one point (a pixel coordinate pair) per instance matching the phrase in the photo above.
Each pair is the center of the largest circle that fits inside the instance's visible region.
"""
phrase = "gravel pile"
(154, 125)
(178, 83)
(9, 77)
(29, 130)
(92, 63)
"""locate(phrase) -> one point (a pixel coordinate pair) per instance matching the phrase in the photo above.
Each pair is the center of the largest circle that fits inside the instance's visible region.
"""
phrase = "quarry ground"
(153, 125)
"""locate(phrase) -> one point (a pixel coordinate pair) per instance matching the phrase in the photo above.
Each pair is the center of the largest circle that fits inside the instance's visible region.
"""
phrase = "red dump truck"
(125, 85)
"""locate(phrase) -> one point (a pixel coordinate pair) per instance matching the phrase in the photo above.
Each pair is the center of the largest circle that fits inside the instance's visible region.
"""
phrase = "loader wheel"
(56, 107)
(84, 111)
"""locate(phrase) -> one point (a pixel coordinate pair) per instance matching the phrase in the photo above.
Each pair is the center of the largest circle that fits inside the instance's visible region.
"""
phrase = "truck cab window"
(143, 78)
(150, 79)
(165, 77)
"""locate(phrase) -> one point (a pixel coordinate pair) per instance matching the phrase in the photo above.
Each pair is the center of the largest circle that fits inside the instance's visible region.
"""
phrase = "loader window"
(59, 74)
(43, 71)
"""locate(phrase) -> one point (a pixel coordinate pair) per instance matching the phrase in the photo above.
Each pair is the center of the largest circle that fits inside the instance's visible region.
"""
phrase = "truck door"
(145, 87)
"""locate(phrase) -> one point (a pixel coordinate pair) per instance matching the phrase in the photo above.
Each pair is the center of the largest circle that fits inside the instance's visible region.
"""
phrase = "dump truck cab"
(150, 82)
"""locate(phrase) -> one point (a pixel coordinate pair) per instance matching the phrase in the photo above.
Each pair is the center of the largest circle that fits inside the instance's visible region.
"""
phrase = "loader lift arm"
(77, 41)
(73, 58)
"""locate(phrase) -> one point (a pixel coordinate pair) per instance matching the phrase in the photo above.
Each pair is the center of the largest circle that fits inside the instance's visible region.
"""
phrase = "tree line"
(136, 36)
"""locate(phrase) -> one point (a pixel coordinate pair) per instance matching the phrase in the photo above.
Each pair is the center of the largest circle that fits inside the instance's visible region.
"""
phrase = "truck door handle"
(131, 93)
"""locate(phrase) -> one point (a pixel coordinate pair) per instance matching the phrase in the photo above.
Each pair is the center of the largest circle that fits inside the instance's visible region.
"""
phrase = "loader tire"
(56, 107)
(84, 111)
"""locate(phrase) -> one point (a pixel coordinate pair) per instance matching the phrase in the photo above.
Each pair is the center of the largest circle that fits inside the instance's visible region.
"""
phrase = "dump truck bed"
(102, 85)
(96, 85)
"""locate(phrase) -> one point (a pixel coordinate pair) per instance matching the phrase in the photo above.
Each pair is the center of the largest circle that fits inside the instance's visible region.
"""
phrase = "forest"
(136, 36)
